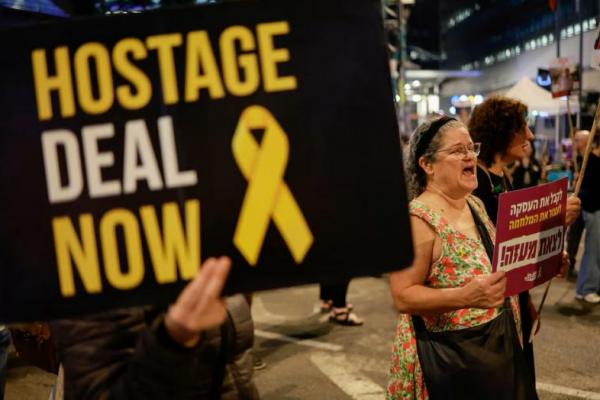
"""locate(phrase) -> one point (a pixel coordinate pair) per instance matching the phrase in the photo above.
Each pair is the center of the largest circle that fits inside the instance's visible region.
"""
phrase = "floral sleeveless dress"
(462, 258)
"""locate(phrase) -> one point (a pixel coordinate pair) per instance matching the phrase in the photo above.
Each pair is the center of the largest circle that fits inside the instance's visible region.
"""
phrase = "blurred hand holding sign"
(530, 235)
(564, 72)
(136, 146)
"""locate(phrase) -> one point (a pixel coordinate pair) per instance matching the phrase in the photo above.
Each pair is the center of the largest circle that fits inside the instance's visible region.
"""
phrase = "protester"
(198, 349)
(528, 171)
(576, 229)
(450, 294)
(588, 280)
(333, 301)
(500, 125)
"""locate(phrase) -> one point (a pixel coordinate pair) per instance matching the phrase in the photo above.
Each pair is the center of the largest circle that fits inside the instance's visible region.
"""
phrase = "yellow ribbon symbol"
(267, 195)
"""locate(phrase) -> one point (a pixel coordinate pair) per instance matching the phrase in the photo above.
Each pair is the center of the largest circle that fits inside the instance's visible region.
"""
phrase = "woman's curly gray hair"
(416, 178)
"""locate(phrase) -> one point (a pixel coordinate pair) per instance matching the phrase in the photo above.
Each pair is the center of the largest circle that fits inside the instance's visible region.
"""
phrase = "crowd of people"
(457, 336)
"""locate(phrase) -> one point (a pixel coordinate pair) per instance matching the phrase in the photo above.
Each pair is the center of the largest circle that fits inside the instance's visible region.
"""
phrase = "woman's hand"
(485, 291)
(564, 268)
(199, 306)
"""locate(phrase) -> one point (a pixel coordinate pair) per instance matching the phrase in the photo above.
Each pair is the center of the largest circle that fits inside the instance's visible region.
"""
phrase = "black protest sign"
(135, 146)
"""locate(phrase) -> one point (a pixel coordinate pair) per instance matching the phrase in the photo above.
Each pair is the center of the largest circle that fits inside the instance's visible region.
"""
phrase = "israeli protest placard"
(135, 146)
(530, 235)
(564, 73)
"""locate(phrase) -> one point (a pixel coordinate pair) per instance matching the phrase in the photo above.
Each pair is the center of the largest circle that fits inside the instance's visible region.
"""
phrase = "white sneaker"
(592, 298)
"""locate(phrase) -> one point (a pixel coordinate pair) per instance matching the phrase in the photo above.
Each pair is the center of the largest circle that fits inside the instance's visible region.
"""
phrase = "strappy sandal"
(327, 306)
(344, 316)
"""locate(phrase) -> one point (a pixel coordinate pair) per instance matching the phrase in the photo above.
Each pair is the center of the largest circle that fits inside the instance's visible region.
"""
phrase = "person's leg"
(341, 311)
(337, 294)
(4, 344)
(325, 291)
(588, 280)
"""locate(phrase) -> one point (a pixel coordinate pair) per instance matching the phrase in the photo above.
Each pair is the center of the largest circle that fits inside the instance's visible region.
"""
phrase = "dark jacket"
(127, 354)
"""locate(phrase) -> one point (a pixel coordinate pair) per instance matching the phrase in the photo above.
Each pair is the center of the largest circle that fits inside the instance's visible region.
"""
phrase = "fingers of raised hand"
(199, 306)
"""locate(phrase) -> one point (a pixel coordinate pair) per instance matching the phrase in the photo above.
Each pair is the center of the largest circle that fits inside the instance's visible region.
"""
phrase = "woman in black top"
(500, 124)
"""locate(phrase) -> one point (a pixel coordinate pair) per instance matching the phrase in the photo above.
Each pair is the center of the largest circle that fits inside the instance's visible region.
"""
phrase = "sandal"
(327, 306)
(344, 316)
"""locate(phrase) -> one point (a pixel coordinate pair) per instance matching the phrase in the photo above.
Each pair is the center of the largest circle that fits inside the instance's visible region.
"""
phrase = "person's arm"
(117, 355)
(411, 296)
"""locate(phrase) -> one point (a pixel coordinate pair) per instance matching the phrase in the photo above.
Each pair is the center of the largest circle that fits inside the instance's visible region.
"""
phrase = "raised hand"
(200, 305)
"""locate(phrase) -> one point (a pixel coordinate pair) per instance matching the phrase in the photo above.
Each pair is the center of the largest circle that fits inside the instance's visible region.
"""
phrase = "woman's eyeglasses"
(463, 150)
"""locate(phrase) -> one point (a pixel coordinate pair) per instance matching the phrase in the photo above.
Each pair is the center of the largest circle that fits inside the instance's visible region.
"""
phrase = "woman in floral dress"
(450, 284)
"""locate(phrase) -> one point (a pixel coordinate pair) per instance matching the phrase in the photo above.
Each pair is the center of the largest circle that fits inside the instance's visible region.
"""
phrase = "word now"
(173, 247)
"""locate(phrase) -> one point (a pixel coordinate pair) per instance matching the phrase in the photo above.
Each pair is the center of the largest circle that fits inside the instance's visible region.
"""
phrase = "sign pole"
(588, 150)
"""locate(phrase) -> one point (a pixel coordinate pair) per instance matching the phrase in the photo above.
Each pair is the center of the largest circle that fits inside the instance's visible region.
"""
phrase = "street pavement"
(309, 358)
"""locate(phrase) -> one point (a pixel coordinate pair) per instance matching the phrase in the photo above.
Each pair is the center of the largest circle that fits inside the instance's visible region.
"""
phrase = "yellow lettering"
(199, 56)
(176, 248)
(139, 81)
(61, 81)
(164, 44)
(110, 251)
(98, 53)
(232, 62)
(68, 248)
(270, 56)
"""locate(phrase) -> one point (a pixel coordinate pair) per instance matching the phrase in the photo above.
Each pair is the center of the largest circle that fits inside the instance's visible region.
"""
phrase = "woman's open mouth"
(469, 170)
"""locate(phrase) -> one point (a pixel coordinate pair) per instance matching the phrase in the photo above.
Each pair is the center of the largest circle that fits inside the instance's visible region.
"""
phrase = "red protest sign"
(530, 235)
(564, 73)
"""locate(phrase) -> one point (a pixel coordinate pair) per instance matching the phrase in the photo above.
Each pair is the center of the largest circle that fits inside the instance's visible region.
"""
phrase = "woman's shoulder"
(421, 206)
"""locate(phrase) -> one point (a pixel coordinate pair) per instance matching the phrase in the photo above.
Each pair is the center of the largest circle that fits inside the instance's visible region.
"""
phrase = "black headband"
(428, 135)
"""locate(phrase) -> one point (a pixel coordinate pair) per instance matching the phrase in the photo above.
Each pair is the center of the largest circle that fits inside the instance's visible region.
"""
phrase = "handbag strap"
(487, 242)
(483, 233)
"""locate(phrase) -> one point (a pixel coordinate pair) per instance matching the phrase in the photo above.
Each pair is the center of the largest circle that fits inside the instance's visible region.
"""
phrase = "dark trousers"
(573, 239)
(4, 343)
(335, 292)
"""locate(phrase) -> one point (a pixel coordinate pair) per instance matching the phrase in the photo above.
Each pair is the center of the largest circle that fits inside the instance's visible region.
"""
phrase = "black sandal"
(345, 317)
(327, 306)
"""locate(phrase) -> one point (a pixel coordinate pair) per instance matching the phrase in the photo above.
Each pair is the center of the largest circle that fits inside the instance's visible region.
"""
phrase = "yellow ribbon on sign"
(267, 195)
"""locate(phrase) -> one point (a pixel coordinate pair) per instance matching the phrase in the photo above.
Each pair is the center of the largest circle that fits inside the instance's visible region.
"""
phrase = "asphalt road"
(309, 358)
